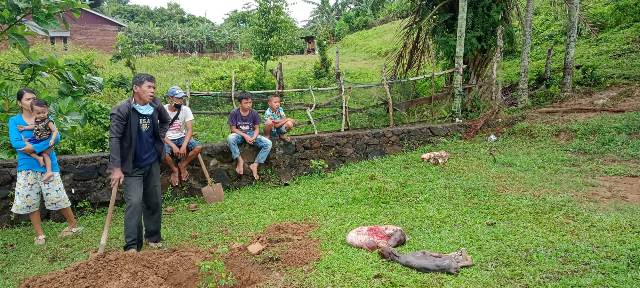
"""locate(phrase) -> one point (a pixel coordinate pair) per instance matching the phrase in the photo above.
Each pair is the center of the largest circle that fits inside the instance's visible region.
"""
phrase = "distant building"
(91, 30)
(310, 42)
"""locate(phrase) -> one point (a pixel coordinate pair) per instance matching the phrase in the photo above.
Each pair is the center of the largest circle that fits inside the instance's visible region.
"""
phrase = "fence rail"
(340, 100)
(331, 88)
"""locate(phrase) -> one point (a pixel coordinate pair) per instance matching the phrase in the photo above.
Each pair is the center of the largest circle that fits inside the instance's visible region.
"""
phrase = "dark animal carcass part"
(425, 261)
(372, 237)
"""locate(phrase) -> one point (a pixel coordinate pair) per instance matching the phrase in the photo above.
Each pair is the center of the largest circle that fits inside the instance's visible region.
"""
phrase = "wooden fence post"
(233, 89)
(340, 81)
(188, 91)
(389, 99)
(279, 79)
(347, 97)
(315, 129)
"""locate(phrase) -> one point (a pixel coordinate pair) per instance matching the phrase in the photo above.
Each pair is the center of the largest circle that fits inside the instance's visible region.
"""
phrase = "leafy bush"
(590, 76)
(68, 84)
(545, 96)
(119, 81)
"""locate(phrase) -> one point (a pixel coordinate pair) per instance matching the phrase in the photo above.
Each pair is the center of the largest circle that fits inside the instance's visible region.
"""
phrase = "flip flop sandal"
(39, 240)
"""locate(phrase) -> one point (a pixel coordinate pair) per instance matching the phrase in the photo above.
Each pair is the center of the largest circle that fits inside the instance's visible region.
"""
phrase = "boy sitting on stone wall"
(244, 123)
(276, 123)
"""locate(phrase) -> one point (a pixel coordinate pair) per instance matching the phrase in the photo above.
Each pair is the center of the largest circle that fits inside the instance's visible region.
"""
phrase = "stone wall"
(86, 178)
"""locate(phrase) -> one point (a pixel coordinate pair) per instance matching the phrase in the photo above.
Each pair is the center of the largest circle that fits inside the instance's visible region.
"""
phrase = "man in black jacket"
(138, 127)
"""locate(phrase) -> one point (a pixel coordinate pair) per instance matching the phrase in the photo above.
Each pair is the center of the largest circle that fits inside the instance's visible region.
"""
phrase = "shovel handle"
(107, 222)
(204, 169)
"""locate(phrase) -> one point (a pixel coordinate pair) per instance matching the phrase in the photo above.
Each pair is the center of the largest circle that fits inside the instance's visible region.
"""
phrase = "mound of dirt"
(625, 189)
(167, 268)
(286, 245)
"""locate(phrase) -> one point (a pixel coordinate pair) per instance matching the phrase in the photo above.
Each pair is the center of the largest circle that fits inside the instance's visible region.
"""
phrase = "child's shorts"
(190, 146)
(278, 131)
(35, 141)
(30, 189)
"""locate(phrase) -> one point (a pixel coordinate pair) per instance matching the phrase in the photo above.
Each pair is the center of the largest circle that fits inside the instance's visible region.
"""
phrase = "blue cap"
(175, 91)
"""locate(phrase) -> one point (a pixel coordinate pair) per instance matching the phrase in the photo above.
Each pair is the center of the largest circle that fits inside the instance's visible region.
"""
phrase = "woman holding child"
(38, 172)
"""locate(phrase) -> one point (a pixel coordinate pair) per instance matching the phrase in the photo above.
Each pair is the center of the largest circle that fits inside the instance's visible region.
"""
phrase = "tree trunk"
(523, 87)
(572, 35)
(457, 77)
(497, 61)
(547, 64)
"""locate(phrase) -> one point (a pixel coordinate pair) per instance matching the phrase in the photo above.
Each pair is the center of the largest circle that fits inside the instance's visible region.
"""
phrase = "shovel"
(107, 222)
(210, 194)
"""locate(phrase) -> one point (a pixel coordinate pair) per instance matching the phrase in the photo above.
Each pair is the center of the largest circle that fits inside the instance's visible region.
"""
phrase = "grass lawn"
(519, 216)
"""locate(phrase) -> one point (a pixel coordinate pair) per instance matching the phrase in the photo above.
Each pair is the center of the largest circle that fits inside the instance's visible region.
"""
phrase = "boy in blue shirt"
(276, 122)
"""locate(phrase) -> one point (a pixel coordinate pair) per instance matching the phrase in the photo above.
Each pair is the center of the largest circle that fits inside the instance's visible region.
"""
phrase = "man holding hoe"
(136, 141)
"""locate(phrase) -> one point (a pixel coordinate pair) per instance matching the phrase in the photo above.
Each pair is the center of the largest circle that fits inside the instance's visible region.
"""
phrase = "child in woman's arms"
(43, 129)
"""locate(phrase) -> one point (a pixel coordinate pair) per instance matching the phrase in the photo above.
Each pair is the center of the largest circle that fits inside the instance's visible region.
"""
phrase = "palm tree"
(432, 21)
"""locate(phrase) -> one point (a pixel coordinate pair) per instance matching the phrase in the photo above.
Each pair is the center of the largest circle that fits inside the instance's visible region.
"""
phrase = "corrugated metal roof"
(34, 27)
(105, 17)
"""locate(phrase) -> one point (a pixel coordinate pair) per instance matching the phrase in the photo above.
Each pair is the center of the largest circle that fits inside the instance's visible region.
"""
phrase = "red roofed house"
(91, 30)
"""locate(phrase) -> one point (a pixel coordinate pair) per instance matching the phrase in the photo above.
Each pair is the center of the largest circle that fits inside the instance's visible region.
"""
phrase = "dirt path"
(613, 99)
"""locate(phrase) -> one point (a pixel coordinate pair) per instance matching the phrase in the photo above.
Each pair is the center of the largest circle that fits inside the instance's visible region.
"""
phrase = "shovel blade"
(213, 194)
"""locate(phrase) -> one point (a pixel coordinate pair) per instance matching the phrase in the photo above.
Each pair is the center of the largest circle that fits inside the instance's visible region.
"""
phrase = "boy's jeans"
(261, 142)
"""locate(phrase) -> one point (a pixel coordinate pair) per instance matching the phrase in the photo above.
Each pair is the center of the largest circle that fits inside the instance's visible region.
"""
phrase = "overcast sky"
(216, 10)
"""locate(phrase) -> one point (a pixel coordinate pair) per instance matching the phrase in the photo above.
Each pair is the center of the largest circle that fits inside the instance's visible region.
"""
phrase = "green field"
(523, 206)
(524, 217)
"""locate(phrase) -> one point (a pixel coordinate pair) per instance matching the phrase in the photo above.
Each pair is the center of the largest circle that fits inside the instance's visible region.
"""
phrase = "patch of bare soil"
(588, 105)
(285, 245)
(564, 137)
(165, 268)
(616, 188)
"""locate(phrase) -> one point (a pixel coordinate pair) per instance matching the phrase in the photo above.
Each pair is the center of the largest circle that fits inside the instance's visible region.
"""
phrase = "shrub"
(590, 76)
